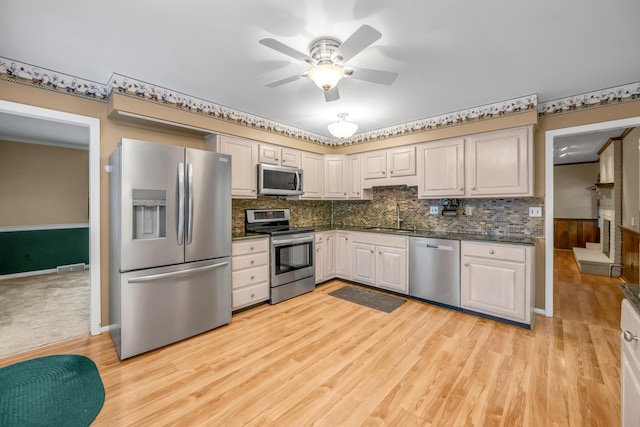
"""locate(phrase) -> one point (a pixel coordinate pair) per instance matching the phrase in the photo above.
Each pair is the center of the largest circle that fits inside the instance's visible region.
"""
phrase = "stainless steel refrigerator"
(170, 244)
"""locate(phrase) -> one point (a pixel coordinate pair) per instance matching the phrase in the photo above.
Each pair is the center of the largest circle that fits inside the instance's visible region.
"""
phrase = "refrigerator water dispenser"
(149, 214)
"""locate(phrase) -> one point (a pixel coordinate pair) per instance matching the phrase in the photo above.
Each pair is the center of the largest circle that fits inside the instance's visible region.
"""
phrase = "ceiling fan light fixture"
(342, 128)
(326, 76)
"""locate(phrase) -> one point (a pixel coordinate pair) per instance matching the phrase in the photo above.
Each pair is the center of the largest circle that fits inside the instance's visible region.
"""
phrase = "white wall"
(571, 198)
(631, 180)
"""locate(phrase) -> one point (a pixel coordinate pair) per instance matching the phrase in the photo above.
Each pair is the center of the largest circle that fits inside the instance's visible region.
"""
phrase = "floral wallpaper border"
(31, 75)
(595, 99)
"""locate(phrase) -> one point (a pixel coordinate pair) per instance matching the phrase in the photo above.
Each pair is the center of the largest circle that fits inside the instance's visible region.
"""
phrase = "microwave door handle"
(296, 180)
(190, 203)
(180, 203)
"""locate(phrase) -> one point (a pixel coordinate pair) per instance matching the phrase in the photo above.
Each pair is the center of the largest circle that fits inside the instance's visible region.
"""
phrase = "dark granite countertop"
(497, 238)
(632, 292)
(246, 236)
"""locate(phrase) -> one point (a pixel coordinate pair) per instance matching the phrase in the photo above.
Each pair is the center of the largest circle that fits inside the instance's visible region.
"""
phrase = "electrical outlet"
(535, 212)
(433, 210)
(468, 210)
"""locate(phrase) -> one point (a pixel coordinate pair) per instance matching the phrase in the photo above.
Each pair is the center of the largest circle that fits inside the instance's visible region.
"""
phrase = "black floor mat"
(367, 298)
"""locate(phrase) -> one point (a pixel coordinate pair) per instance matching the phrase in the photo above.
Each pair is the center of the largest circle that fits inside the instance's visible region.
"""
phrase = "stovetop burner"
(271, 221)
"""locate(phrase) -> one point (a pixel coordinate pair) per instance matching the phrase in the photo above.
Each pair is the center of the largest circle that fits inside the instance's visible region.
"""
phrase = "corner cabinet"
(244, 160)
(497, 280)
(249, 272)
(491, 164)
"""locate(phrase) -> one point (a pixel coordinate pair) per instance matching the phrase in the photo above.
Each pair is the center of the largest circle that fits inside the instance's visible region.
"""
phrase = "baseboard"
(27, 274)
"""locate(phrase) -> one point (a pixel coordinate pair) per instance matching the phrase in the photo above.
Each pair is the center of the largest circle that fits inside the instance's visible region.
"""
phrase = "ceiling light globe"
(342, 128)
(326, 76)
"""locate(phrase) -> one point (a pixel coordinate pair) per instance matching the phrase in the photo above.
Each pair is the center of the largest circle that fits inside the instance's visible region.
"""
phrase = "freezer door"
(150, 218)
(208, 205)
(161, 306)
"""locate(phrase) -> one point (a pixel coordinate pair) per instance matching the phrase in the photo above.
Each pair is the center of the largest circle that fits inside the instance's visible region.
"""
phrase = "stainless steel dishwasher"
(434, 270)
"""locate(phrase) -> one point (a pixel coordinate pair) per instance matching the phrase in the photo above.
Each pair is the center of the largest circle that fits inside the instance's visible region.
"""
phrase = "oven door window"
(295, 256)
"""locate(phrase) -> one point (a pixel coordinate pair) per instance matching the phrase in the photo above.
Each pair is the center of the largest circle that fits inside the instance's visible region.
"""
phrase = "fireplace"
(606, 237)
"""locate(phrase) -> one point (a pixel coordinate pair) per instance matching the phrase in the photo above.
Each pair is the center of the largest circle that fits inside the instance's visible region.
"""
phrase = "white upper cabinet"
(354, 184)
(499, 163)
(312, 166)
(484, 165)
(280, 156)
(441, 168)
(335, 177)
(395, 166)
(244, 160)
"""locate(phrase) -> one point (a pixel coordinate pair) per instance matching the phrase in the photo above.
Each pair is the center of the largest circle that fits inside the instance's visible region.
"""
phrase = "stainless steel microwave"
(279, 180)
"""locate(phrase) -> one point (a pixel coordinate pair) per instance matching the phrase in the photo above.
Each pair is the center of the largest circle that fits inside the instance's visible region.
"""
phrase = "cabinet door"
(374, 165)
(343, 255)
(364, 263)
(319, 261)
(269, 154)
(391, 269)
(312, 176)
(401, 161)
(330, 255)
(494, 287)
(290, 157)
(354, 174)
(497, 163)
(441, 169)
(630, 379)
(335, 177)
(244, 158)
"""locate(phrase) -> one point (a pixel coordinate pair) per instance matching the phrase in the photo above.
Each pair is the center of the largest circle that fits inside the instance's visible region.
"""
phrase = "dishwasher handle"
(439, 247)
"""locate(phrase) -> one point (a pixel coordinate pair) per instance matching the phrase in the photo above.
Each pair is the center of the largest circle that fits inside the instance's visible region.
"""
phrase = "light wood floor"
(319, 360)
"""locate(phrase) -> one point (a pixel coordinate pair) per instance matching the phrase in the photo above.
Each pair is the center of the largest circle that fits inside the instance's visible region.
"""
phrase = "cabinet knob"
(252, 261)
(460, 189)
(357, 193)
(473, 188)
(344, 193)
(318, 250)
(253, 295)
(390, 171)
(253, 191)
(371, 250)
(346, 238)
(251, 248)
(253, 277)
(629, 337)
(491, 251)
(466, 264)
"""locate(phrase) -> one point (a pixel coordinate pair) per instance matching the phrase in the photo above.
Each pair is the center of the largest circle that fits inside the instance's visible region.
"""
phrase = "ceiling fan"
(328, 56)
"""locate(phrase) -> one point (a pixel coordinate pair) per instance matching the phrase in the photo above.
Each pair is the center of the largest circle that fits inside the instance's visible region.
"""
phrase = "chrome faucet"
(398, 220)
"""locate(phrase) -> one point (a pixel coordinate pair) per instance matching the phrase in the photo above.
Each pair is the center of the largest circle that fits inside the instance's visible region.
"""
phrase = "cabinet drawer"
(241, 262)
(381, 239)
(515, 253)
(250, 295)
(250, 246)
(249, 276)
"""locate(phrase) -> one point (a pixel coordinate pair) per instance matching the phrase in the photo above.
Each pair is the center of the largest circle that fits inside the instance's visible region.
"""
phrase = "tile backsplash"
(508, 216)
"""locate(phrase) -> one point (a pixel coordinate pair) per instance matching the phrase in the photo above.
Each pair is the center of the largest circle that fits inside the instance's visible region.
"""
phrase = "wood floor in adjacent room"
(319, 360)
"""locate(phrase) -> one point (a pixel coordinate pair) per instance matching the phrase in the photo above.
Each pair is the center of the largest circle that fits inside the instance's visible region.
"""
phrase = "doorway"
(42, 117)
(549, 177)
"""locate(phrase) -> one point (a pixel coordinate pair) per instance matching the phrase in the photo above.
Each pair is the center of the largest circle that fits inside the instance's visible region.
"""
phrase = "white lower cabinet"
(249, 272)
(343, 255)
(325, 262)
(630, 365)
(380, 260)
(497, 280)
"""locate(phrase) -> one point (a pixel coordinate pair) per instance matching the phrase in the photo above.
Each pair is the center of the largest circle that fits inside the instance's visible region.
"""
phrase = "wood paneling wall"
(574, 232)
(630, 255)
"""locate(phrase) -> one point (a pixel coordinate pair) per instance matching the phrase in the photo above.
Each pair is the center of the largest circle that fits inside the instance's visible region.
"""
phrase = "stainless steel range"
(292, 261)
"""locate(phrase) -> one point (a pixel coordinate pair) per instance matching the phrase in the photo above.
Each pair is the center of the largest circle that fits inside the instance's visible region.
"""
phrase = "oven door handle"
(290, 241)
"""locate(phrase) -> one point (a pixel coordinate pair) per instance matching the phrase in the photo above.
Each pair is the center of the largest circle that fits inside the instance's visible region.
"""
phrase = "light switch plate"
(535, 211)
(433, 210)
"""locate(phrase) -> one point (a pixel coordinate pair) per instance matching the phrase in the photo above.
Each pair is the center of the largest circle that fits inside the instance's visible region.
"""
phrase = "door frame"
(93, 125)
(548, 202)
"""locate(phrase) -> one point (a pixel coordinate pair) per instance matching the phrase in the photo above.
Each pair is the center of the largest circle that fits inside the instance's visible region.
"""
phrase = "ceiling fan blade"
(374, 76)
(283, 48)
(332, 94)
(357, 42)
(285, 80)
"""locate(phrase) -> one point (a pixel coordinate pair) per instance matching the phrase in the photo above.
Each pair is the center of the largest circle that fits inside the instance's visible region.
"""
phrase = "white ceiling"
(581, 148)
(449, 56)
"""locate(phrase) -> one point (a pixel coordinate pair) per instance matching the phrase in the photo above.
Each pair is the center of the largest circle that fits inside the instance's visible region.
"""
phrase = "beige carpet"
(40, 310)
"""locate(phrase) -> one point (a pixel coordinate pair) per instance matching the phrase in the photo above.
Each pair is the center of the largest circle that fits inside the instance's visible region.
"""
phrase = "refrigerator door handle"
(176, 273)
(190, 203)
(180, 203)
